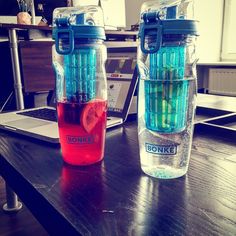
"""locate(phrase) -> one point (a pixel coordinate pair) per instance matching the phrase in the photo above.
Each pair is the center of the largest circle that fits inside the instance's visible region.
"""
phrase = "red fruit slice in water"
(91, 114)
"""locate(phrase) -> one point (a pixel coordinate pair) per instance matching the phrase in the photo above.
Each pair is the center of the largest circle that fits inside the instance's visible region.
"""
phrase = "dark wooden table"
(114, 197)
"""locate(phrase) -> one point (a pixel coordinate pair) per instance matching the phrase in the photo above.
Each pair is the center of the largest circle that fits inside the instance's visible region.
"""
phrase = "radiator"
(222, 81)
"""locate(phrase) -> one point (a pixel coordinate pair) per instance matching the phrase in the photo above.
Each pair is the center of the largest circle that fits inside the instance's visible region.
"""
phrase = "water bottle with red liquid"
(79, 56)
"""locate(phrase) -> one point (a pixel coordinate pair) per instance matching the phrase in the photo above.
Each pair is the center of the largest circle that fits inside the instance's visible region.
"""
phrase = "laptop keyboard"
(44, 113)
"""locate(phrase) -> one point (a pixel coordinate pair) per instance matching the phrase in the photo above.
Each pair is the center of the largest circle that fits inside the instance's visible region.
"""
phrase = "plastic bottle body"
(166, 154)
(81, 101)
(166, 106)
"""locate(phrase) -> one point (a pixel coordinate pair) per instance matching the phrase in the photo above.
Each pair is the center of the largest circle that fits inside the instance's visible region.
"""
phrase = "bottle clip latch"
(152, 25)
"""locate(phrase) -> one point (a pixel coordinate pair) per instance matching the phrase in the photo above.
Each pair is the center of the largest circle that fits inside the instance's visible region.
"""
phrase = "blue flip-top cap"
(153, 26)
(63, 30)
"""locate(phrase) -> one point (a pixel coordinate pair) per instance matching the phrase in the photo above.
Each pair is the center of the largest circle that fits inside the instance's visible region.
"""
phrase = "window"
(228, 52)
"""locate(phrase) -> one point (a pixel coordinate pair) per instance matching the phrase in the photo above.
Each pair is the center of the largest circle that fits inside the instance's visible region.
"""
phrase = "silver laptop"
(40, 123)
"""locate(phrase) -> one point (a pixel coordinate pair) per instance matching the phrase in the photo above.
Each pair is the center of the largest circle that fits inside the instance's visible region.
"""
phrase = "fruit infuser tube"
(166, 91)
(80, 72)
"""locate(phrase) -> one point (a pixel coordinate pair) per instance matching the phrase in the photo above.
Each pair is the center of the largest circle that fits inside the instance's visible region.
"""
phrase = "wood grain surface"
(36, 63)
(114, 197)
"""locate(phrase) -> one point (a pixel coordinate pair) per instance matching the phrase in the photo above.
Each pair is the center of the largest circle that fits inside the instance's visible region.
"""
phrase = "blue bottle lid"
(153, 26)
(70, 24)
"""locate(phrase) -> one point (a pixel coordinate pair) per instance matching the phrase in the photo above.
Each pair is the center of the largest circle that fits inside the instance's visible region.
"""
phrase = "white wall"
(210, 15)
(132, 12)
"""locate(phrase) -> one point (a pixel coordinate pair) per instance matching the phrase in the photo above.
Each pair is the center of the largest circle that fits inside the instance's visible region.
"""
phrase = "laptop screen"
(120, 73)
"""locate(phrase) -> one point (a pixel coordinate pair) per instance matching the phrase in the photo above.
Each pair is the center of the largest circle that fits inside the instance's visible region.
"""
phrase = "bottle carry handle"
(70, 43)
(152, 25)
(147, 28)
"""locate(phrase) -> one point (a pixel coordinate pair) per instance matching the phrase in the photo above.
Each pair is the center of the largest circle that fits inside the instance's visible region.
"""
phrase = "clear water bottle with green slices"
(79, 56)
(167, 86)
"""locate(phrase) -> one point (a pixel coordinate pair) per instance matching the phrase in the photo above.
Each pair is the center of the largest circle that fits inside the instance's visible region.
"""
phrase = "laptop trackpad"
(27, 123)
